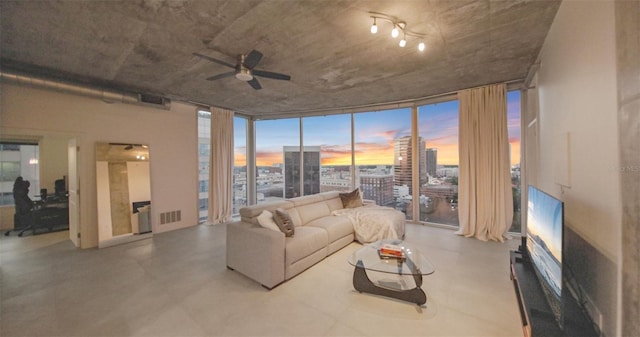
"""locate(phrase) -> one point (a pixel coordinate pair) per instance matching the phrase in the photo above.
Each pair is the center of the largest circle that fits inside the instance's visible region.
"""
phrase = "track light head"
(395, 32)
(374, 27)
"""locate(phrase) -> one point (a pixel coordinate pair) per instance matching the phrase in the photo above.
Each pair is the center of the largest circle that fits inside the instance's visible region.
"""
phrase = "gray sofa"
(270, 258)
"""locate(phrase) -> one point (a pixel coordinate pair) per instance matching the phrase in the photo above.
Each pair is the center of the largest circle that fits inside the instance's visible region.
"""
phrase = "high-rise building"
(432, 161)
(311, 170)
(378, 188)
(403, 154)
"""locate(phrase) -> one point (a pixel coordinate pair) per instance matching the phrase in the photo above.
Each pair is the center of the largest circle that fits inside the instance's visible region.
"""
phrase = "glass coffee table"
(413, 263)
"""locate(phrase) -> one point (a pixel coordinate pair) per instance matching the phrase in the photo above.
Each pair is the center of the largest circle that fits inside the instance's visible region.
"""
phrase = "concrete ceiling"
(334, 61)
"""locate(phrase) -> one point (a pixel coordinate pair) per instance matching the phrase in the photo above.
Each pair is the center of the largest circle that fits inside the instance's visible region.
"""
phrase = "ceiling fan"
(245, 69)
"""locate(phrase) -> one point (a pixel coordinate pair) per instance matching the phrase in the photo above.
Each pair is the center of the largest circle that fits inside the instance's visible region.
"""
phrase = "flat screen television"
(545, 221)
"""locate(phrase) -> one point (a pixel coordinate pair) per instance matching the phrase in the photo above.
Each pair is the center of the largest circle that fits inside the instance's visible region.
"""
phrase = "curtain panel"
(485, 200)
(221, 166)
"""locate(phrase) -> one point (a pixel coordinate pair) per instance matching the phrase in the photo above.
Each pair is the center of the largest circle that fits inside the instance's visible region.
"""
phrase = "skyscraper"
(432, 161)
(403, 154)
(378, 188)
(311, 170)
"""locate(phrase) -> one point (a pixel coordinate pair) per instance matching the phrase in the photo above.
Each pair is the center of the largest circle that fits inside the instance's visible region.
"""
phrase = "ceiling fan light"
(402, 43)
(244, 75)
(395, 32)
(421, 46)
(374, 27)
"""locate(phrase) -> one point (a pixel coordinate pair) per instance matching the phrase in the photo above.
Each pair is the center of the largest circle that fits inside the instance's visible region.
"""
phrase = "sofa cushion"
(250, 213)
(337, 227)
(329, 195)
(313, 211)
(334, 203)
(307, 241)
(306, 199)
(295, 216)
(265, 219)
(351, 199)
(284, 222)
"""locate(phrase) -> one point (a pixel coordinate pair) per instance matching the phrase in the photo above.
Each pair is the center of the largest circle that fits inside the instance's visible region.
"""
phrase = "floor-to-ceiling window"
(204, 153)
(382, 145)
(327, 153)
(240, 163)
(383, 153)
(239, 167)
(513, 124)
(276, 140)
(438, 128)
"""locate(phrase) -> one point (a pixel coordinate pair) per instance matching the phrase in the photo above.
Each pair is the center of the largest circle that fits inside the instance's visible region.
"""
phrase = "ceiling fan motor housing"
(243, 74)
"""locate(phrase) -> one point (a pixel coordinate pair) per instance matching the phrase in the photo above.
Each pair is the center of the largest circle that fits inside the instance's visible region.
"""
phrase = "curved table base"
(363, 284)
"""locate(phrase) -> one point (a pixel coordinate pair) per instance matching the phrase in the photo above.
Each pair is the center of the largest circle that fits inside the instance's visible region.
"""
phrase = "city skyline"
(374, 134)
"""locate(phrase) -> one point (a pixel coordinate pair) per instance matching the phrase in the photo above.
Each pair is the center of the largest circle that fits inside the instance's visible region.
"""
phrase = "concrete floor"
(176, 284)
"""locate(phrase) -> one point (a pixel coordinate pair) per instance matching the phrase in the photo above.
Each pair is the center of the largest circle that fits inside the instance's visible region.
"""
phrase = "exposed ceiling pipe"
(106, 96)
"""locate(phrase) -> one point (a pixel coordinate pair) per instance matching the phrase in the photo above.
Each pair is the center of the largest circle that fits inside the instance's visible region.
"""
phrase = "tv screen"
(544, 245)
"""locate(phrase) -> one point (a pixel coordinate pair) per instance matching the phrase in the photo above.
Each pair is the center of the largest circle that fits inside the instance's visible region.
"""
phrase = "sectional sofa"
(269, 257)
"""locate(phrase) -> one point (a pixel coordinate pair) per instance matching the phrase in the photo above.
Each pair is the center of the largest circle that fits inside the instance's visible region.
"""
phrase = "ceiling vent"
(155, 101)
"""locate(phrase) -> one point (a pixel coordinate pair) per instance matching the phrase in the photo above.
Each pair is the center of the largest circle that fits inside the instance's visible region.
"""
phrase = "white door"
(74, 193)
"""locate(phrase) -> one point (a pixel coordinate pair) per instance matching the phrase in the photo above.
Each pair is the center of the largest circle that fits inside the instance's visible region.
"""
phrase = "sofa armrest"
(256, 252)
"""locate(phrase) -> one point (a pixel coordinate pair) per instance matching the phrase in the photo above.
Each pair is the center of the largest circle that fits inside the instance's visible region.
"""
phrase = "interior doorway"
(50, 168)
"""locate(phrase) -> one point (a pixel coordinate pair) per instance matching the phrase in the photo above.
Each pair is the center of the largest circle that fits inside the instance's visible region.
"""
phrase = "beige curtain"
(221, 166)
(485, 201)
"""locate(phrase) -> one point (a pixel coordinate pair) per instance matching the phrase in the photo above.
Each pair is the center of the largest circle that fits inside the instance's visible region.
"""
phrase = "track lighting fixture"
(395, 32)
(399, 26)
(403, 42)
(374, 27)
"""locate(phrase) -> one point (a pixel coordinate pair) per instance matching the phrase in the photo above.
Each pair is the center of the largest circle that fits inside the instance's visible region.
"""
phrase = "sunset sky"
(374, 134)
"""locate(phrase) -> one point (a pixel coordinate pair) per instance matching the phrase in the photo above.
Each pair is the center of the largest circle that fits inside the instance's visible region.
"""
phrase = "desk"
(46, 216)
(50, 215)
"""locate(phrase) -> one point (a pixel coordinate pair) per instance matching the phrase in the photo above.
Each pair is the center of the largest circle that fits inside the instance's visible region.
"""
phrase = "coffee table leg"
(363, 284)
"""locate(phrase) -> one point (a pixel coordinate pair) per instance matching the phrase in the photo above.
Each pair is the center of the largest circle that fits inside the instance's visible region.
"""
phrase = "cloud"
(266, 158)
(240, 160)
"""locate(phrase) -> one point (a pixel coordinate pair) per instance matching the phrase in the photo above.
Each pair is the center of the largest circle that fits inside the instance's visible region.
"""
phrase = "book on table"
(391, 251)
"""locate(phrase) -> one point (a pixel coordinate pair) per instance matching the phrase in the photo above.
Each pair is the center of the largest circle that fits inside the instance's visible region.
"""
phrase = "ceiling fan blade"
(219, 76)
(209, 58)
(255, 84)
(252, 59)
(268, 74)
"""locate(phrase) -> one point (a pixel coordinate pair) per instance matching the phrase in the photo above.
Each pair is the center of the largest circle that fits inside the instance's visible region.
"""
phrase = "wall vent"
(155, 101)
(170, 217)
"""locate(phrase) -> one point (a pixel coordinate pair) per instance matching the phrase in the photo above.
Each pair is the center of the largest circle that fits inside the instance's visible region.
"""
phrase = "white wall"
(578, 95)
(53, 162)
(171, 135)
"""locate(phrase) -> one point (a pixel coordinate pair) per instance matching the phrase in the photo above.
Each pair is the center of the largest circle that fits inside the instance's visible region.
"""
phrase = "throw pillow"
(265, 219)
(284, 222)
(351, 199)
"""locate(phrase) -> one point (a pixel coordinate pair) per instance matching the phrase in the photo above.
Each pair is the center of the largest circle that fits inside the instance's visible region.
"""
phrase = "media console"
(537, 318)
(535, 312)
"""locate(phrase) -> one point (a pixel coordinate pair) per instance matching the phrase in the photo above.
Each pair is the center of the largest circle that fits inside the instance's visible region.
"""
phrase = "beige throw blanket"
(372, 222)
